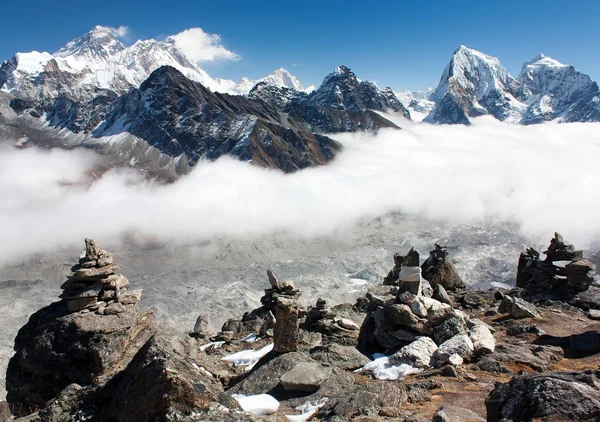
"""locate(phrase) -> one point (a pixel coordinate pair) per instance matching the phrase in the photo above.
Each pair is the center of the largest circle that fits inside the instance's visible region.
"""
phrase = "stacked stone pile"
(324, 320)
(439, 269)
(95, 285)
(421, 331)
(563, 268)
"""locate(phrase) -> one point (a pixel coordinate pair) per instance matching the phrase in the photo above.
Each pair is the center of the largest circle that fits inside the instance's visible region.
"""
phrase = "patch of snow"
(260, 404)
(248, 358)
(307, 410)
(215, 344)
(250, 338)
(383, 370)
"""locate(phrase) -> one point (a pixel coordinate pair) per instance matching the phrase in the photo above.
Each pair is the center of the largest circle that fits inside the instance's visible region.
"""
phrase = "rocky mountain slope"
(420, 347)
(183, 118)
(474, 84)
(96, 92)
(341, 103)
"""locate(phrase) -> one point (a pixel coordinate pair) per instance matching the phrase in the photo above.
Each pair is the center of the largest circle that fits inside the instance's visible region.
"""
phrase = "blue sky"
(400, 44)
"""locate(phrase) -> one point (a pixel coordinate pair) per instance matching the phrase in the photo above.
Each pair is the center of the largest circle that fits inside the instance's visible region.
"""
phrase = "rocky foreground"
(420, 347)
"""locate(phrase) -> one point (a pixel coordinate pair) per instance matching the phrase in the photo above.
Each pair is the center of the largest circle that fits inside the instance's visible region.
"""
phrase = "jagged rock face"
(179, 116)
(57, 348)
(341, 90)
(341, 104)
(474, 84)
(160, 383)
(555, 90)
(556, 396)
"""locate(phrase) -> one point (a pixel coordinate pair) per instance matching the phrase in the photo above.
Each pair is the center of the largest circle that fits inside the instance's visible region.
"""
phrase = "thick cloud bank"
(544, 177)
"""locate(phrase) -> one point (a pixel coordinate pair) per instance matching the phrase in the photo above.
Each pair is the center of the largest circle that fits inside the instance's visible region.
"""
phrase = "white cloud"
(120, 32)
(544, 178)
(199, 46)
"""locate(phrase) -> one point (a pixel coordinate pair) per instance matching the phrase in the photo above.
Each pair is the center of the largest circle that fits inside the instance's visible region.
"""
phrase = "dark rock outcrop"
(550, 396)
(179, 116)
(66, 343)
(439, 269)
(536, 275)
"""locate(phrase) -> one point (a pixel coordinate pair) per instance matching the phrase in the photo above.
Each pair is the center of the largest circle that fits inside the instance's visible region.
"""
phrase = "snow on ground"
(383, 370)
(260, 404)
(248, 358)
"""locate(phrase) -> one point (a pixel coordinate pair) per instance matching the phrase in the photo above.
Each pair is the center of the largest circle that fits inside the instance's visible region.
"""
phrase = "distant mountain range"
(148, 106)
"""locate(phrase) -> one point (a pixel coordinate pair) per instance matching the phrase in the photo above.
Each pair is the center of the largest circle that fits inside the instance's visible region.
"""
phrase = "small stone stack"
(94, 285)
(410, 274)
(439, 269)
(575, 276)
(283, 297)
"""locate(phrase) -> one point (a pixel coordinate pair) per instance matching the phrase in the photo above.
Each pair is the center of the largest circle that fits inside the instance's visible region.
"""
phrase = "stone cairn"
(406, 273)
(416, 329)
(535, 274)
(438, 269)
(94, 285)
(283, 298)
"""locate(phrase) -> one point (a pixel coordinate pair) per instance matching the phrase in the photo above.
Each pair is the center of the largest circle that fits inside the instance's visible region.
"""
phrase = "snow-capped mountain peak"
(474, 84)
(99, 43)
(280, 78)
(283, 79)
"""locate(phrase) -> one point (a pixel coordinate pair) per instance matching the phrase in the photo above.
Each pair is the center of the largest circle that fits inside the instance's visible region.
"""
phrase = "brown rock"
(92, 250)
(273, 280)
(131, 297)
(285, 334)
(84, 273)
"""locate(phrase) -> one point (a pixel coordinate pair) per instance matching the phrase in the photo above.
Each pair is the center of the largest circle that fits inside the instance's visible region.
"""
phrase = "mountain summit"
(475, 84)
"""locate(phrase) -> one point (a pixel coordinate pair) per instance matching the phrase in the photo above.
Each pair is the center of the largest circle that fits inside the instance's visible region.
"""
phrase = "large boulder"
(551, 396)
(57, 348)
(305, 376)
(162, 383)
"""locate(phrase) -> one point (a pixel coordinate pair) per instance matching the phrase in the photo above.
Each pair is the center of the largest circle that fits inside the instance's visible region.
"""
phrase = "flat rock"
(343, 357)
(518, 308)
(305, 376)
(456, 414)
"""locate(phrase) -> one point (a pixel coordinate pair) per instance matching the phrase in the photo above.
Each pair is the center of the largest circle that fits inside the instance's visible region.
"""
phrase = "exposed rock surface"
(560, 395)
(439, 269)
(58, 346)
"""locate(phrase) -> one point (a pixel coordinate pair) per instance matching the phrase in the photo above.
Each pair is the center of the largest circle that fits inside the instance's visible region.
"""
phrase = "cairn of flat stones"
(419, 330)
(563, 268)
(438, 269)
(406, 273)
(94, 284)
(283, 298)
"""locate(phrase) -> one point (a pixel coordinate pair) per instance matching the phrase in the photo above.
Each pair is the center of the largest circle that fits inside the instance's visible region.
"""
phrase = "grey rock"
(305, 376)
(418, 354)
(440, 294)
(114, 309)
(483, 340)
(549, 396)
(460, 345)
(449, 329)
(364, 400)
(343, 357)
(518, 308)
(456, 414)
(266, 375)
